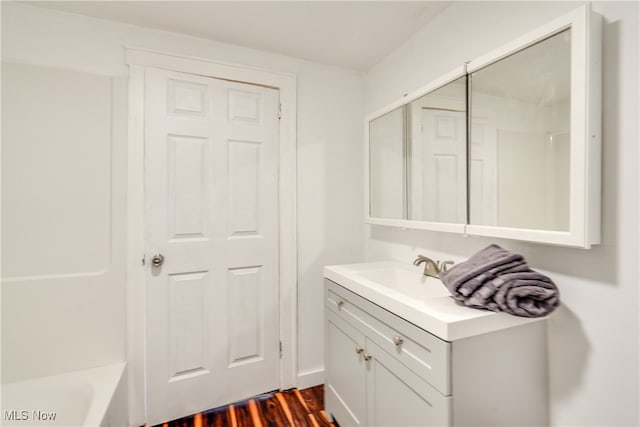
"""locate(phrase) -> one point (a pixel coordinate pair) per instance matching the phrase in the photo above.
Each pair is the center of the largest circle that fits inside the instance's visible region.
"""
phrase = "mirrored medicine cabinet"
(507, 145)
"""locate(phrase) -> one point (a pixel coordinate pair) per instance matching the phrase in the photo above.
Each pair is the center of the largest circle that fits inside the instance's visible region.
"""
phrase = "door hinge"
(280, 349)
(279, 111)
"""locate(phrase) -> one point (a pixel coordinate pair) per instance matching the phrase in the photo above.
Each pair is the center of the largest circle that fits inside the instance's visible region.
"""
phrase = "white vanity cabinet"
(382, 370)
(370, 385)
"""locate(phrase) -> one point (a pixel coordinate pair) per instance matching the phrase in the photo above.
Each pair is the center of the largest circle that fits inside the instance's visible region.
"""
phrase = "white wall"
(330, 104)
(330, 177)
(594, 337)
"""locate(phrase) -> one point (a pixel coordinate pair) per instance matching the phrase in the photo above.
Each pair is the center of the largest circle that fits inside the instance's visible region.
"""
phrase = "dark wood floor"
(295, 408)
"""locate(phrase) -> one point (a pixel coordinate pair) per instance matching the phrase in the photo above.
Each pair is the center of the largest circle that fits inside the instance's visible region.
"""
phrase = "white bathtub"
(92, 397)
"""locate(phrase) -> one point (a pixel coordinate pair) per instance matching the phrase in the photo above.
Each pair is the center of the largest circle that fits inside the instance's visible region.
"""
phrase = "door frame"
(137, 60)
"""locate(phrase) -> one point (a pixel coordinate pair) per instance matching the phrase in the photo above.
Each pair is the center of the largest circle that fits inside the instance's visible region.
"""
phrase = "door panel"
(245, 323)
(244, 162)
(211, 208)
(188, 186)
(187, 326)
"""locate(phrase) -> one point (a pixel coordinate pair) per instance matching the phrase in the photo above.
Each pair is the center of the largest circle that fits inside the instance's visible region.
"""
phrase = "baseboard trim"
(310, 378)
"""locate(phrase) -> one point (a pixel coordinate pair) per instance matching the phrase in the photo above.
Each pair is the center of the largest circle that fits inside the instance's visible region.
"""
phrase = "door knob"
(157, 260)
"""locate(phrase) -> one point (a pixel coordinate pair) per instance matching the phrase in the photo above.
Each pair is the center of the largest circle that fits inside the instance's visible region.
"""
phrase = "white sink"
(406, 280)
(424, 301)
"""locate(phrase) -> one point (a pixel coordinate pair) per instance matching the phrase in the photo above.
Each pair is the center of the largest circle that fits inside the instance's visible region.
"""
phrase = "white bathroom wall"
(330, 110)
(330, 178)
(594, 337)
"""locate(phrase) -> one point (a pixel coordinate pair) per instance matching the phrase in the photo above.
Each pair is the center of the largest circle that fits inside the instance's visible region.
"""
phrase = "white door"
(444, 173)
(211, 210)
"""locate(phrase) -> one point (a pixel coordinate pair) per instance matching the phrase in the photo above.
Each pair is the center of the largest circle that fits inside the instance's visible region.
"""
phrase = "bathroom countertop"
(424, 301)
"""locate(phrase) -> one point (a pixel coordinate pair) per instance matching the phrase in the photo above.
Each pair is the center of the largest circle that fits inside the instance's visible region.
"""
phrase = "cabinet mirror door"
(437, 149)
(520, 138)
(417, 175)
(387, 165)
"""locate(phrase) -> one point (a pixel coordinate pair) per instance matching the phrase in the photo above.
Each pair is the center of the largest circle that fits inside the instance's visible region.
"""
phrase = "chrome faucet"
(432, 268)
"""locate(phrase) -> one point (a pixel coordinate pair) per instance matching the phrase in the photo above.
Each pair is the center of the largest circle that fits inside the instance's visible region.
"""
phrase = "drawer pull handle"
(398, 340)
(339, 302)
(359, 349)
(367, 357)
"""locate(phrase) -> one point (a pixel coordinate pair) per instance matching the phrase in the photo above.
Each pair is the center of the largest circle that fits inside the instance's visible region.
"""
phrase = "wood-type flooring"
(291, 408)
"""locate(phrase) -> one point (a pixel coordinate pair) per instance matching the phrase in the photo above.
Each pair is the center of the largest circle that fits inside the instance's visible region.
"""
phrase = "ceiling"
(353, 34)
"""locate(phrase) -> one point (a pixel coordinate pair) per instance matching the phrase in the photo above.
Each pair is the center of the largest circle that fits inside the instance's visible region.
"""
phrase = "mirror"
(520, 138)
(437, 151)
(507, 145)
(417, 158)
(387, 165)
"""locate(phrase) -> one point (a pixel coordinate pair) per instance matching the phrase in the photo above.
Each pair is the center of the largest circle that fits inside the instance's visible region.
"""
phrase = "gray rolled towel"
(465, 278)
(498, 280)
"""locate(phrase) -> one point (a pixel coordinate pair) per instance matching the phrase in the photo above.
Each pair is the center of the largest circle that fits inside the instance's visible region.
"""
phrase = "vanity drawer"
(424, 354)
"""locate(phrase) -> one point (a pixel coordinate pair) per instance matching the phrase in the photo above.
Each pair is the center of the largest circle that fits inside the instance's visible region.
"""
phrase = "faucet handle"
(445, 265)
(420, 259)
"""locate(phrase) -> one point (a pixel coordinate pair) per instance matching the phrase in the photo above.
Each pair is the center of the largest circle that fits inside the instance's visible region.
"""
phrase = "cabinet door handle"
(367, 357)
(339, 303)
(398, 340)
(359, 349)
